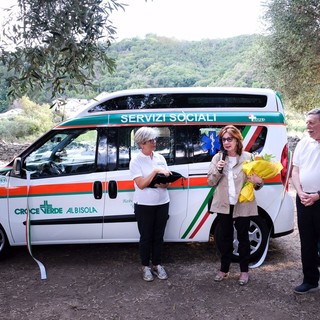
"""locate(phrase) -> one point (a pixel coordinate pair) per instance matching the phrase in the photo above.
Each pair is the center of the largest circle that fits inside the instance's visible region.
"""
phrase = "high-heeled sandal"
(244, 278)
(221, 276)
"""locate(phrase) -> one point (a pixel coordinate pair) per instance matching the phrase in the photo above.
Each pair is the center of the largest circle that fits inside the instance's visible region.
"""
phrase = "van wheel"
(4, 244)
(258, 236)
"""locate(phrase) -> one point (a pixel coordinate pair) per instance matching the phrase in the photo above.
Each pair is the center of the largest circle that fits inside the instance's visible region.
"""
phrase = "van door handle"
(97, 190)
(112, 189)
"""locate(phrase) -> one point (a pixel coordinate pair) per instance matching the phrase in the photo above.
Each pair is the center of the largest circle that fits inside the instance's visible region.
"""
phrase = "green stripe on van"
(245, 131)
(197, 216)
(140, 118)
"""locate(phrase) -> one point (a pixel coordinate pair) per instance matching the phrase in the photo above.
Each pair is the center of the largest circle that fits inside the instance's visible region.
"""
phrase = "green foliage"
(292, 50)
(296, 122)
(28, 123)
(3, 91)
(162, 62)
(63, 49)
(53, 45)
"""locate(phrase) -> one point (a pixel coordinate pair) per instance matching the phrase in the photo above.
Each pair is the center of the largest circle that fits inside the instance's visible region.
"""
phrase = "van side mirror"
(17, 166)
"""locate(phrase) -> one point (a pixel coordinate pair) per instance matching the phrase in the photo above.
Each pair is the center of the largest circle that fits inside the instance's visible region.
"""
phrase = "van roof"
(218, 98)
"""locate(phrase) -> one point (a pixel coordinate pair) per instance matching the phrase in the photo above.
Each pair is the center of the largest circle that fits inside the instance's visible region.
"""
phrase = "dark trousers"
(309, 230)
(226, 249)
(152, 222)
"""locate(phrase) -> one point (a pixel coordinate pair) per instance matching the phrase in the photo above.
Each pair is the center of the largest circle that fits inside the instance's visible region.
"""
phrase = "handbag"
(161, 178)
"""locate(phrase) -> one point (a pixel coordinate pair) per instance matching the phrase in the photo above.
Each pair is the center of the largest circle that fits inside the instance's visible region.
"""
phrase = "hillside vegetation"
(163, 62)
(152, 62)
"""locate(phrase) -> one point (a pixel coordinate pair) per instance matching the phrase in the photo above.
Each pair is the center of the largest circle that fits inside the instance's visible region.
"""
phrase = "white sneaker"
(160, 272)
(147, 274)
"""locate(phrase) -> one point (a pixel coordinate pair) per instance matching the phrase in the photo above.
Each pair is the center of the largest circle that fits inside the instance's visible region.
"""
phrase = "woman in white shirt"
(151, 204)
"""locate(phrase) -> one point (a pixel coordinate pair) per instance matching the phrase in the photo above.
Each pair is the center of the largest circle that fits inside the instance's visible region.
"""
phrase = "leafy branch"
(54, 45)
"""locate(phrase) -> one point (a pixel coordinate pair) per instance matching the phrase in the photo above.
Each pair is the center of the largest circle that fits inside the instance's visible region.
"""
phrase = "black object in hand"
(224, 155)
(161, 178)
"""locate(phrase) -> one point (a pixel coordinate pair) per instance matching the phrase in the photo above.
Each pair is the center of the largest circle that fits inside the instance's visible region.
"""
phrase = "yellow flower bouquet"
(264, 167)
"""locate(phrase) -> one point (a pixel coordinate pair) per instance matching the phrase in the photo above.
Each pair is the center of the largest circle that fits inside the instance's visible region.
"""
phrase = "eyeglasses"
(229, 139)
(151, 141)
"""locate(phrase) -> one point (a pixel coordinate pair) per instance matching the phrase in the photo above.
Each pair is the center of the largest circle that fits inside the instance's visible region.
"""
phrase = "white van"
(76, 186)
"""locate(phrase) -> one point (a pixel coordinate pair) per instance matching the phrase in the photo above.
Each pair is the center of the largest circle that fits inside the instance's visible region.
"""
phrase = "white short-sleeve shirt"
(142, 166)
(306, 156)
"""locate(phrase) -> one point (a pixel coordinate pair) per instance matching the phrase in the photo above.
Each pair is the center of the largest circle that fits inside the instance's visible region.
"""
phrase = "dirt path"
(103, 282)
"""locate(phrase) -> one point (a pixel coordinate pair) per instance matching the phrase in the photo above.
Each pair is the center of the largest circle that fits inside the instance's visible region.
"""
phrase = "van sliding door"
(119, 220)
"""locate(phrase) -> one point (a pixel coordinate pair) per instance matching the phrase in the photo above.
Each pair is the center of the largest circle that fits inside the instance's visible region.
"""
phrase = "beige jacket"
(220, 201)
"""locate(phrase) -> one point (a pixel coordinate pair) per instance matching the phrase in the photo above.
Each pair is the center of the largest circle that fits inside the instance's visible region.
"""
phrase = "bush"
(296, 122)
(32, 121)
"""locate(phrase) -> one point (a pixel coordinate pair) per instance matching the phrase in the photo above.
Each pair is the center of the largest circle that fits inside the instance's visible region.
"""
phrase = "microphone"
(223, 157)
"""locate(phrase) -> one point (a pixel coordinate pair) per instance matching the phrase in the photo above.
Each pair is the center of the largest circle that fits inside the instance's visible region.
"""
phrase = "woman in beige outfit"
(225, 172)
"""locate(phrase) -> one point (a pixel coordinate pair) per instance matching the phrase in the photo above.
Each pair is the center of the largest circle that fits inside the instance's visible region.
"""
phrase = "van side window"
(181, 101)
(120, 147)
(125, 148)
(199, 151)
(182, 145)
(260, 141)
(165, 145)
(107, 151)
(69, 152)
(178, 144)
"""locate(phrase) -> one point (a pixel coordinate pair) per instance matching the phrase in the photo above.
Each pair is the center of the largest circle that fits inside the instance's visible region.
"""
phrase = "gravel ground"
(104, 282)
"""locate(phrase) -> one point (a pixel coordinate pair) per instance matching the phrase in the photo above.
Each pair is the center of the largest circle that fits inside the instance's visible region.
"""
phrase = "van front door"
(61, 188)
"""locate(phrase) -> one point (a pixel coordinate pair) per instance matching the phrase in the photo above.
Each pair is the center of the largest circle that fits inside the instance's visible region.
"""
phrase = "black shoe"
(305, 288)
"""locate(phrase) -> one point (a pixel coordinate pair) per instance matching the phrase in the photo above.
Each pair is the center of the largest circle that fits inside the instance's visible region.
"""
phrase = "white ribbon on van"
(28, 231)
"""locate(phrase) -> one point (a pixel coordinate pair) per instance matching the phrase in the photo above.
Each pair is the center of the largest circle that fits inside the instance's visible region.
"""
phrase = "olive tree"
(293, 49)
(53, 45)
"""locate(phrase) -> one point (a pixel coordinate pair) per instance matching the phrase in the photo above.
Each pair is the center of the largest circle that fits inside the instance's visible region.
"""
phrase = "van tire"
(258, 236)
(4, 244)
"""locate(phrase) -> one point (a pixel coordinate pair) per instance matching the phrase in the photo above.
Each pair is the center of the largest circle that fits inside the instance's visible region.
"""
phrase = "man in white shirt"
(306, 180)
